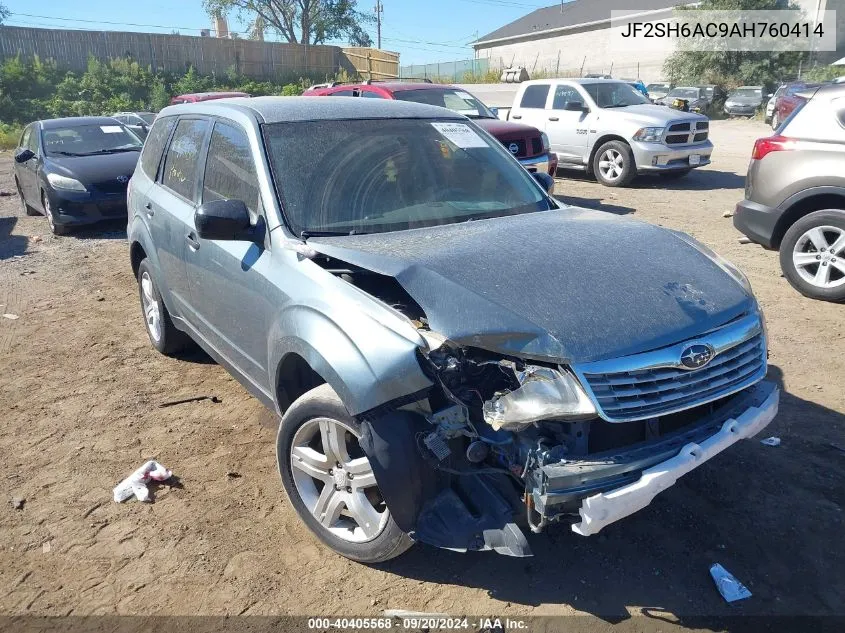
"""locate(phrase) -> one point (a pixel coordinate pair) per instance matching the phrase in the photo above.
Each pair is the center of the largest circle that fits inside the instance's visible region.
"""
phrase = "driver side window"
(564, 95)
(32, 140)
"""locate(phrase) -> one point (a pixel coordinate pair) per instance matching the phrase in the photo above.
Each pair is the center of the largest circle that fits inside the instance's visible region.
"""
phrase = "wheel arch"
(604, 138)
(804, 203)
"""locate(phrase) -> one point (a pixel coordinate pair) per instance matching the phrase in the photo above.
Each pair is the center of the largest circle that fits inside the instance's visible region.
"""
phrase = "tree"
(301, 21)
(733, 68)
(4, 13)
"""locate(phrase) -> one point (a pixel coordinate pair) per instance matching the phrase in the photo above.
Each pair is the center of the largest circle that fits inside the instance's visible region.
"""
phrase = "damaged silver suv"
(456, 357)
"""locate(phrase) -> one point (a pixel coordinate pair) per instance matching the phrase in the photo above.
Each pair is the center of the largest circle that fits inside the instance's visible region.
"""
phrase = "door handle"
(516, 116)
(192, 241)
(149, 210)
(554, 118)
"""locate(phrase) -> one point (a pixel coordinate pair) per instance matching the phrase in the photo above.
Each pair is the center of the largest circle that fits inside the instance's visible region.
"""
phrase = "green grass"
(9, 135)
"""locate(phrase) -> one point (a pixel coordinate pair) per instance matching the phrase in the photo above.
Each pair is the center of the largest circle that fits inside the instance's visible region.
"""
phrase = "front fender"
(367, 363)
(138, 232)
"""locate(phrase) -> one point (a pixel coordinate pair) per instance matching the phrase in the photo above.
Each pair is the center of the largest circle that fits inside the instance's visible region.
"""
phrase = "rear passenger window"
(371, 95)
(151, 154)
(180, 164)
(230, 169)
(343, 93)
(535, 96)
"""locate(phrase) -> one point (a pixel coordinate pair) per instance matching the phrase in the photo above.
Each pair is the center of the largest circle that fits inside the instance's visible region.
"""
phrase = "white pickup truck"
(607, 128)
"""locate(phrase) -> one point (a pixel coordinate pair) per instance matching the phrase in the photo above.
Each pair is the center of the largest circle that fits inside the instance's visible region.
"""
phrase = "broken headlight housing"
(544, 393)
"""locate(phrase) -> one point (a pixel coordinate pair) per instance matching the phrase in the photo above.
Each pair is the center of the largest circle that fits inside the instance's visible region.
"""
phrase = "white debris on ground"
(771, 441)
(136, 483)
(730, 588)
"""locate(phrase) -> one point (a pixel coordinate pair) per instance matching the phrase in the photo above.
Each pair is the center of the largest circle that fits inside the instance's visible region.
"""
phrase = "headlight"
(543, 394)
(63, 182)
(546, 144)
(723, 263)
(649, 134)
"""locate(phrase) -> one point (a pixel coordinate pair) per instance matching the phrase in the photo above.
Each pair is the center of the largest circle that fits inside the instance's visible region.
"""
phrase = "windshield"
(684, 93)
(756, 93)
(614, 94)
(87, 140)
(450, 98)
(379, 175)
(148, 117)
(658, 87)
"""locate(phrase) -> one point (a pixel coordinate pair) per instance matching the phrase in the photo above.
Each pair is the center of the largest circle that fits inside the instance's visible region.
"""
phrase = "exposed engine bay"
(500, 441)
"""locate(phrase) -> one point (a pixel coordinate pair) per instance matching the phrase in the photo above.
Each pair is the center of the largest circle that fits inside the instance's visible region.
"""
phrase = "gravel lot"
(79, 393)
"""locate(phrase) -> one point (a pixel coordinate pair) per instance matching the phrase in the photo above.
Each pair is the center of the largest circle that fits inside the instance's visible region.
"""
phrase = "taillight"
(764, 146)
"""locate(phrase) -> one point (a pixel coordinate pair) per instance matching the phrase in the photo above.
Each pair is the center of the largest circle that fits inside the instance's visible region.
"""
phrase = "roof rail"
(424, 80)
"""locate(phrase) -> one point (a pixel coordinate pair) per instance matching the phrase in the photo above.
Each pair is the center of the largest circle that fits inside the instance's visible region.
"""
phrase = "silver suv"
(611, 130)
(450, 354)
(795, 194)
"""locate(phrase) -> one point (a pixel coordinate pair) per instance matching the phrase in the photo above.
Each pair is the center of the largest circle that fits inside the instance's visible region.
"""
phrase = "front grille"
(702, 125)
(520, 144)
(701, 136)
(679, 127)
(677, 139)
(647, 393)
(536, 146)
(111, 186)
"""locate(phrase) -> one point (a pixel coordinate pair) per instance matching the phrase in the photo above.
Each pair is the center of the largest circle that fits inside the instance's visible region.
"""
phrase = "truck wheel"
(613, 164)
(775, 120)
(812, 255)
(330, 482)
(163, 334)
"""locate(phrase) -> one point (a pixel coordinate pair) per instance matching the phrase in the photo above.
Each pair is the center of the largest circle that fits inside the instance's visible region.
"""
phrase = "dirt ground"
(80, 389)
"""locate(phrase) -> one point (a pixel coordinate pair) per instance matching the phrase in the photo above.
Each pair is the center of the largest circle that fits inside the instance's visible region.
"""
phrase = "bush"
(9, 135)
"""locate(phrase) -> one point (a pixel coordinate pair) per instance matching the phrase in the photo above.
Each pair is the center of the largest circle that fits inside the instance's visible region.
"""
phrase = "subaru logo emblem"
(697, 355)
(123, 179)
(514, 148)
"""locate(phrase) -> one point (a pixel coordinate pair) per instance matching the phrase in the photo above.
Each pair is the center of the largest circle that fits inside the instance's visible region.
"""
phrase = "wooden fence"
(208, 55)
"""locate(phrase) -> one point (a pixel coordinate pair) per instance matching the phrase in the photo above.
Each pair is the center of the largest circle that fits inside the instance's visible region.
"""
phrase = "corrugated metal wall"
(175, 53)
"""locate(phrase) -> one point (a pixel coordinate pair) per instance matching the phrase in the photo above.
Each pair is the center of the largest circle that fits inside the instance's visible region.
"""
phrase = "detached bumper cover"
(605, 508)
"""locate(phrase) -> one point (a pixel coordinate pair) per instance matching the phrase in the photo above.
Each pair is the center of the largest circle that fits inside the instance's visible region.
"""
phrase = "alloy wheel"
(152, 311)
(48, 213)
(819, 256)
(335, 481)
(611, 164)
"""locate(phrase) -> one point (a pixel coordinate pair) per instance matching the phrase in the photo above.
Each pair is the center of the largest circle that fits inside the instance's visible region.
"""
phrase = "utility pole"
(379, 13)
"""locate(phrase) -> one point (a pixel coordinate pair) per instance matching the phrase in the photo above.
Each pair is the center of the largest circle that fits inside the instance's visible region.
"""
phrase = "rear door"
(531, 108)
(232, 298)
(567, 129)
(171, 205)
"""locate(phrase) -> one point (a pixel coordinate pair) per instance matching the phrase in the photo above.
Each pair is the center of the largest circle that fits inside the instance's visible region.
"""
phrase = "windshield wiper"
(61, 153)
(115, 150)
(618, 105)
(306, 234)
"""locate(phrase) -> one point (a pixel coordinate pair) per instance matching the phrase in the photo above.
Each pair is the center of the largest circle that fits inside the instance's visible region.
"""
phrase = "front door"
(27, 172)
(230, 292)
(567, 129)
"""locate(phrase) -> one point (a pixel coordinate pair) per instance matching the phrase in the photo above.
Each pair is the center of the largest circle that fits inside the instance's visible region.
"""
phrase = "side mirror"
(23, 155)
(224, 220)
(575, 106)
(546, 181)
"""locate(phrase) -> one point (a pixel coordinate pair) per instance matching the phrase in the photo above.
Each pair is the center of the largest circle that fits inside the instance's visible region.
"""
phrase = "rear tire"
(162, 333)
(775, 120)
(613, 164)
(812, 255)
(316, 448)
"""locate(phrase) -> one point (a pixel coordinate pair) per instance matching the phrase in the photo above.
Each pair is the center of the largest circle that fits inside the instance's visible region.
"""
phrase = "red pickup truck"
(527, 143)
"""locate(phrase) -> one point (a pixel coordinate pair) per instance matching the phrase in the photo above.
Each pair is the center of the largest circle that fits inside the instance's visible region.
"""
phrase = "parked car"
(597, 76)
(744, 101)
(687, 98)
(789, 99)
(795, 194)
(138, 122)
(770, 104)
(659, 90)
(529, 144)
(639, 86)
(610, 130)
(442, 339)
(206, 96)
(75, 170)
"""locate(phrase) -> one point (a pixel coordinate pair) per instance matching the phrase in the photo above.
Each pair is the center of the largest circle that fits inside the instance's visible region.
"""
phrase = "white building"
(574, 38)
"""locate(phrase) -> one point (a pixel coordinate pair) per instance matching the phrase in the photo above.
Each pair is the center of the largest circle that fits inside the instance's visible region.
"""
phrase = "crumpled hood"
(571, 285)
(648, 114)
(97, 168)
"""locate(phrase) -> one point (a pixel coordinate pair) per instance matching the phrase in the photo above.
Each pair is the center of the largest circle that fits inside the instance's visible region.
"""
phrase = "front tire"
(613, 164)
(330, 482)
(55, 229)
(812, 255)
(163, 334)
(775, 120)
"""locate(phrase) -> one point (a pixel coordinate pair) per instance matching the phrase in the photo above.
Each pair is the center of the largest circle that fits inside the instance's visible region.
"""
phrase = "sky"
(422, 31)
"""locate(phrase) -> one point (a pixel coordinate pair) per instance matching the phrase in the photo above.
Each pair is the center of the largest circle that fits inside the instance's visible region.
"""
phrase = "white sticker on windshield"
(111, 129)
(460, 134)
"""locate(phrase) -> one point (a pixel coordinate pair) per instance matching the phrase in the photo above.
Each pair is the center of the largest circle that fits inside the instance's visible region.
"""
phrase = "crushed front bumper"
(607, 487)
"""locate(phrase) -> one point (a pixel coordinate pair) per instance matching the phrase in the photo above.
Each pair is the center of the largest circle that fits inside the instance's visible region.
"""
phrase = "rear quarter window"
(535, 96)
(154, 146)
(182, 160)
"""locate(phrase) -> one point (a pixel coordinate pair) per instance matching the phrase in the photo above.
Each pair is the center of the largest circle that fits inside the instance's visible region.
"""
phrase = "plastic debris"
(11, 317)
(730, 588)
(745, 240)
(771, 441)
(46, 547)
(728, 214)
(18, 503)
(136, 483)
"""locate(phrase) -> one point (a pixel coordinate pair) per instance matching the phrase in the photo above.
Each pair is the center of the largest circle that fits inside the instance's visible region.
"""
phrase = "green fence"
(452, 71)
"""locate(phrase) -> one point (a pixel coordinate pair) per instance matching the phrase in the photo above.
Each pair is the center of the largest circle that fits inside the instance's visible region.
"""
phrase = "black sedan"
(75, 170)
